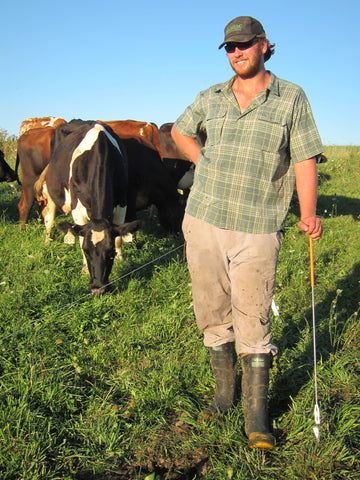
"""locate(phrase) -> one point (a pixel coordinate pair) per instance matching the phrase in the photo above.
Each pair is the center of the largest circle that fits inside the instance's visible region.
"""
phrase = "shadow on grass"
(338, 205)
(126, 472)
(331, 206)
(329, 338)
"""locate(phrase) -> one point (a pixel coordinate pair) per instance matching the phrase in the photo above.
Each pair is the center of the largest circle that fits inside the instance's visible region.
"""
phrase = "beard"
(254, 65)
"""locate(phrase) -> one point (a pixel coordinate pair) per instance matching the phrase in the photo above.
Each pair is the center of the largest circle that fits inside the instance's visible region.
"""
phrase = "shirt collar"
(273, 86)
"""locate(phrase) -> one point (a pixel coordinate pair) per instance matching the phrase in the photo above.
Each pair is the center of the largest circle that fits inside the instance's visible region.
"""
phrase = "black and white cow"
(88, 176)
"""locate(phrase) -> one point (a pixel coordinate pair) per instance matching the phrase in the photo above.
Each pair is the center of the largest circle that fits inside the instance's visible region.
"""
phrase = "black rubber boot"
(223, 364)
(255, 385)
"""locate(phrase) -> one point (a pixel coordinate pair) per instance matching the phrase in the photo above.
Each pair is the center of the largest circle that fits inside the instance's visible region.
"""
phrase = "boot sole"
(261, 440)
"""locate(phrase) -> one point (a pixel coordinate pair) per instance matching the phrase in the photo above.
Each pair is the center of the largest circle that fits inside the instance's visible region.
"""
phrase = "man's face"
(247, 59)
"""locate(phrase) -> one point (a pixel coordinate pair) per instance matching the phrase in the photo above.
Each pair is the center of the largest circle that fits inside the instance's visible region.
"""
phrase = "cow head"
(171, 215)
(99, 247)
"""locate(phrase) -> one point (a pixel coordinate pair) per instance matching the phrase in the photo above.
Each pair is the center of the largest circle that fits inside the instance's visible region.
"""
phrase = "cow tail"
(17, 168)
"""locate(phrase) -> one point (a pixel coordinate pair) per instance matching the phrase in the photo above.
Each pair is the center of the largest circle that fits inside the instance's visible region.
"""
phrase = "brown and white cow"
(144, 132)
(88, 177)
(7, 174)
(33, 155)
(40, 122)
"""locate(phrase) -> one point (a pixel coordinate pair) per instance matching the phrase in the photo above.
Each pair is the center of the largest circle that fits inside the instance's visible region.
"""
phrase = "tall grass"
(112, 387)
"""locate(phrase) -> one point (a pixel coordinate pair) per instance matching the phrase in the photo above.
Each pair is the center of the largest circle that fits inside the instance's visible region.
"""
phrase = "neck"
(257, 82)
(245, 90)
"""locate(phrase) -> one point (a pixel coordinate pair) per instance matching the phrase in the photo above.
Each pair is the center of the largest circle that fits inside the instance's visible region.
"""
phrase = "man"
(261, 140)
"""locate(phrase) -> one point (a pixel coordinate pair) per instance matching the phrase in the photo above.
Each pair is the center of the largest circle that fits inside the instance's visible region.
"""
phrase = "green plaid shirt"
(244, 177)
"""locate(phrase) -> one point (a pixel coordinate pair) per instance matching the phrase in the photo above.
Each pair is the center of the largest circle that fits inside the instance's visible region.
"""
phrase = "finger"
(317, 234)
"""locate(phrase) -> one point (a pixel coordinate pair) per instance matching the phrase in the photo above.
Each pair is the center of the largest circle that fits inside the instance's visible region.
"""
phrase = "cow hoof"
(69, 239)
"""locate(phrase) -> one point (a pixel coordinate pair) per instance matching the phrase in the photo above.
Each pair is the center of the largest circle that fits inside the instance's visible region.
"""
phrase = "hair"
(270, 51)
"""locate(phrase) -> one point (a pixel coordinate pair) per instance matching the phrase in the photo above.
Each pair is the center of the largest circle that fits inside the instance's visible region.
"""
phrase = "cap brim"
(237, 39)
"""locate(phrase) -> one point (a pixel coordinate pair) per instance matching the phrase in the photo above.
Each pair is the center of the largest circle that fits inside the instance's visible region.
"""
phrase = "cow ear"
(125, 228)
(75, 229)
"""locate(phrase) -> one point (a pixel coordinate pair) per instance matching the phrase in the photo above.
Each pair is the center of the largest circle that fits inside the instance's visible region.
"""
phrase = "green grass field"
(110, 388)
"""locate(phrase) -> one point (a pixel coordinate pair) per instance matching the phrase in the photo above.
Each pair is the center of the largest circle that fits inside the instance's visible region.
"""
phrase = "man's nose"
(238, 51)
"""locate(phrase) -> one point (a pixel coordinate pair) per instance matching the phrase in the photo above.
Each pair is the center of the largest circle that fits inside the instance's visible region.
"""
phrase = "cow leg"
(25, 204)
(85, 268)
(118, 219)
(48, 212)
(80, 217)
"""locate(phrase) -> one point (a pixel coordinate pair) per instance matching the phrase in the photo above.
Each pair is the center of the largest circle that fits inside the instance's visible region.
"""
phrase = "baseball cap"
(242, 29)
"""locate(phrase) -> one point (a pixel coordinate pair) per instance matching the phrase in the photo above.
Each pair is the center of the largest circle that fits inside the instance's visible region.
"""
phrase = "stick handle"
(312, 277)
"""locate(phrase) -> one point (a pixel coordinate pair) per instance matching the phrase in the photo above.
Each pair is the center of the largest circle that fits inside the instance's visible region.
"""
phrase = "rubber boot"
(223, 364)
(255, 385)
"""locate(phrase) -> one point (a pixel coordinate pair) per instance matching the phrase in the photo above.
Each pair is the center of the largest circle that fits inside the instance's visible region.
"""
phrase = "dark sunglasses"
(230, 47)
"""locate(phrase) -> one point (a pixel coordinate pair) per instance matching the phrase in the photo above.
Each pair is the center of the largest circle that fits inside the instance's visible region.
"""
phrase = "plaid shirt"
(244, 177)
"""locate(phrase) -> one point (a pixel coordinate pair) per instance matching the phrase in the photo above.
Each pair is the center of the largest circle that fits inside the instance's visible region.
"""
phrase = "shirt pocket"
(271, 136)
(214, 125)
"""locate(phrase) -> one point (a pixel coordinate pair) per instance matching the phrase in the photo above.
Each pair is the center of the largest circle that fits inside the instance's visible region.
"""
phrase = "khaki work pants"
(233, 280)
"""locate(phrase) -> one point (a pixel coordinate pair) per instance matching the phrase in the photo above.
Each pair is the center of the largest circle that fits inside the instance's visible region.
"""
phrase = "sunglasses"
(230, 47)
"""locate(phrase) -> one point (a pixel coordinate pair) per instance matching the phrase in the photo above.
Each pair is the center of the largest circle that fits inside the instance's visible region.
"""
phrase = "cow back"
(66, 129)
(40, 122)
(144, 132)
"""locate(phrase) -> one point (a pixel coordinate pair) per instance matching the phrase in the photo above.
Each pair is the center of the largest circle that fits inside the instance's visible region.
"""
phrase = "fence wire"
(68, 305)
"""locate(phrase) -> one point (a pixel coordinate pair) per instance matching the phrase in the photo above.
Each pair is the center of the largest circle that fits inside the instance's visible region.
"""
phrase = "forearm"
(187, 145)
(306, 186)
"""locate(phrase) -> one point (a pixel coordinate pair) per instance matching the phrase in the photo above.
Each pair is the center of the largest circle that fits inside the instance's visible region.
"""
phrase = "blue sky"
(147, 60)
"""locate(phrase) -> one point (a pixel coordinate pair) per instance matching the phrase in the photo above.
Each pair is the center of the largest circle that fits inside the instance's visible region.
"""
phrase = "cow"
(149, 179)
(33, 155)
(87, 176)
(320, 158)
(7, 174)
(145, 132)
(34, 150)
(149, 135)
(40, 122)
(181, 169)
(150, 183)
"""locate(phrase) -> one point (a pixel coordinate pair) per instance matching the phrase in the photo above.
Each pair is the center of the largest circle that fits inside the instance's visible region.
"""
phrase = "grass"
(111, 387)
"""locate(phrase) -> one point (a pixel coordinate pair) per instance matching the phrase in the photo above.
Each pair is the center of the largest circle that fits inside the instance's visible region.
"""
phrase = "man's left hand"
(312, 226)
